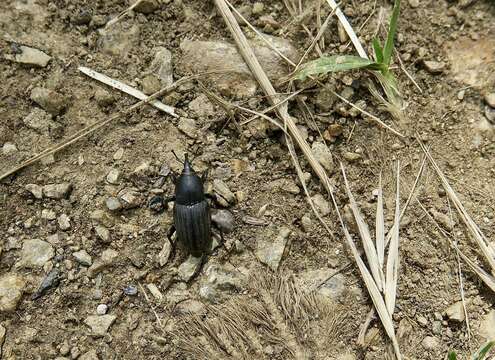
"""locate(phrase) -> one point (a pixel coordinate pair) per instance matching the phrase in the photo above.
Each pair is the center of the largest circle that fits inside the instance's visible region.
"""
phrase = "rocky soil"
(86, 269)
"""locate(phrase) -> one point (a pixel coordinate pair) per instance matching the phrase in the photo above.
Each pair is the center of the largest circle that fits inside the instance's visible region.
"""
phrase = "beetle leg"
(204, 176)
(158, 203)
(170, 233)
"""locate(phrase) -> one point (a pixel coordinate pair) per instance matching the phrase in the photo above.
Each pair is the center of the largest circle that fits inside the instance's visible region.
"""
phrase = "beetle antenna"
(173, 152)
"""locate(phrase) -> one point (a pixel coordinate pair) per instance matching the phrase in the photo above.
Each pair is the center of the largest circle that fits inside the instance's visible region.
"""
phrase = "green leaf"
(452, 355)
(483, 351)
(389, 44)
(378, 50)
(335, 63)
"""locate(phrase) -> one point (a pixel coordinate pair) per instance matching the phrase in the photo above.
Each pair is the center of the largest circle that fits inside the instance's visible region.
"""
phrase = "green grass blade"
(378, 51)
(335, 63)
(484, 351)
(389, 44)
(452, 355)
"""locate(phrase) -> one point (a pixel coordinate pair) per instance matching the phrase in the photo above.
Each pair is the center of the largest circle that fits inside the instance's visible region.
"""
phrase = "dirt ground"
(115, 262)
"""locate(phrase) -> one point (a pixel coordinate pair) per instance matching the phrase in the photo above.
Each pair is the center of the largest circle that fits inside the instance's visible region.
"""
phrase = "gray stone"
(221, 189)
(49, 100)
(487, 328)
(82, 17)
(64, 222)
(188, 127)
(490, 99)
(36, 190)
(150, 84)
(83, 258)
(224, 220)
(430, 343)
(161, 66)
(322, 153)
(146, 6)
(321, 204)
(11, 288)
(270, 251)
(9, 148)
(201, 56)
(202, 107)
(103, 233)
(434, 67)
(455, 312)
(100, 324)
(39, 120)
(57, 191)
(35, 253)
(30, 56)
(190, 306)
(324, 281)
(113, 204)
(107, 259)
(189, 268)
(113, 176)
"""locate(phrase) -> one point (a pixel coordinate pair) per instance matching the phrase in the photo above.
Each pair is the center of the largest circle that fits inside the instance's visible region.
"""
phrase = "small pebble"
(113, 176)
(113, 204)
(434, 67)
(101, 309)
(118, 154)
(130, 290)
(258, 8)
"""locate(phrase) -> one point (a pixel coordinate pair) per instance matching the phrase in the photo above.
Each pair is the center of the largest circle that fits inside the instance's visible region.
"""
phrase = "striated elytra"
(192, 218)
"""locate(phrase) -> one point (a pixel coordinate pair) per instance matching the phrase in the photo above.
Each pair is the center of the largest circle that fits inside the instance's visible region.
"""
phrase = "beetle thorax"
(189, 189)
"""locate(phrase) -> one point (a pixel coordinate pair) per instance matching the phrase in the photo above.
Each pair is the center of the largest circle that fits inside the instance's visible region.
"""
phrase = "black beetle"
(192, 218)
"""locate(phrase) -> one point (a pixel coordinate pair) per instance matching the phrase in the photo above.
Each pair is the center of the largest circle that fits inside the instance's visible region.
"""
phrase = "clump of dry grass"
(276, 313)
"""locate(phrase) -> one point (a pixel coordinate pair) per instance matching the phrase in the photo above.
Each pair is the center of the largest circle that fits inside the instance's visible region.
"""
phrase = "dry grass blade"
(364, 232)
(253, 63)
(393, 254)
(474, 230)
(121, 15)
(488, 279)
(380, 225)
(93, 127)
(375, 294)
(348, 29)
(127, 89)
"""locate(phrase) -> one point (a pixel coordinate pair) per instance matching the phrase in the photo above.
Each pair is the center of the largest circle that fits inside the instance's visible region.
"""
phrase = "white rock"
(188, 127)
(321, 204)
(487, 328)
(101, 309)
(57, 191)
(113, 176)
(430, 343)
(455, 312)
